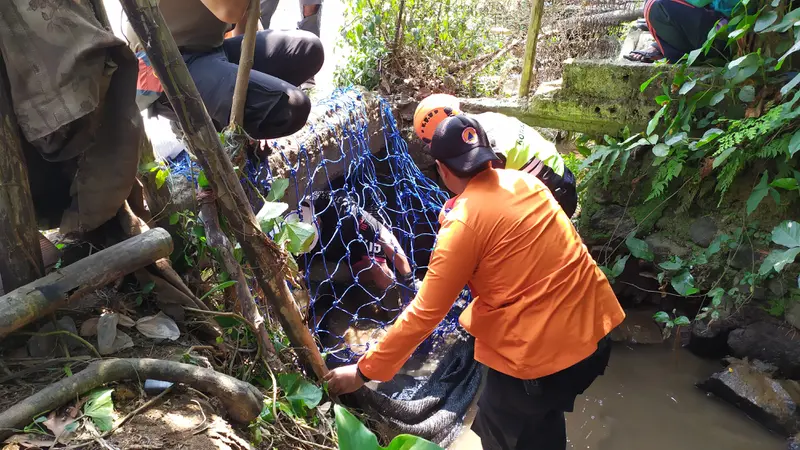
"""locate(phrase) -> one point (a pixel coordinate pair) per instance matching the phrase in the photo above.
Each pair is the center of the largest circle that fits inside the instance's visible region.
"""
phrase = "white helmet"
(306, 215)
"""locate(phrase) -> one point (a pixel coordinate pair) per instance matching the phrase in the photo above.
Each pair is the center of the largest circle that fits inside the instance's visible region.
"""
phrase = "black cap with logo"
(461, 143)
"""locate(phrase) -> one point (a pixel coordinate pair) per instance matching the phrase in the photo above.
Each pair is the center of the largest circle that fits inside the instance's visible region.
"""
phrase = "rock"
(664, 248)
(44, 346)
(602, 197)
(67, 324)
(794, 443)
(742, 258)
(766, 400)
(708, 341)
(793, 315)
(770, 342)
(778, 287)
(612, 220)
(638, 328)
(703, 231)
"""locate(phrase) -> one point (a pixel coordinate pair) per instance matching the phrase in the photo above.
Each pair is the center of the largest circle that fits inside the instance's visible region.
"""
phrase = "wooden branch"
(241, 400)
(529, 63)
(245, 64)
(215, 238)
(43, 296)
(269, 262)
(20, 254)
(499, 54)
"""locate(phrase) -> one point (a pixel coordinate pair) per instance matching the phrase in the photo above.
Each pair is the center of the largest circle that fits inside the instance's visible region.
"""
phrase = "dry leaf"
(58, 422)
(159, 326)
(107, 333)
(125, 321)
(89, 327)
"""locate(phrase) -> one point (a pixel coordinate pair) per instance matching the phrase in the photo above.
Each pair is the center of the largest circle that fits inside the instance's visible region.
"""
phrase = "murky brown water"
(647, 401)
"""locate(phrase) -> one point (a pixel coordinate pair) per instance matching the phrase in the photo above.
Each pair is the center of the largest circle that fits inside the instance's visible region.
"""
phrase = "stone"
(638, 328)
(792, 315)
(778, 287)
(44, 346)
(664, 248)
(771, 402)
(794, 443)
(708, 341)
(703, 231)
(612, 221)
(768, 341)
(743, 258)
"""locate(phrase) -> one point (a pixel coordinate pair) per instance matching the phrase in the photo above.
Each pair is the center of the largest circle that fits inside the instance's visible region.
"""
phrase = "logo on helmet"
(470, 135)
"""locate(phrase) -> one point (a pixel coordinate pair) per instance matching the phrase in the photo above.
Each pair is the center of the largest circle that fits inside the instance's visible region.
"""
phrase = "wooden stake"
(529, 64)
(20, 255)
(245, 64)
(269, 261)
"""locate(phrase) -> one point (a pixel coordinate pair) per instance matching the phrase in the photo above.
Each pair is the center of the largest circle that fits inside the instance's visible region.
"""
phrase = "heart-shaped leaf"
(747, 94)
(787, 234)
(639, 248)
(683, 283)
(777, 260)
(765, 20)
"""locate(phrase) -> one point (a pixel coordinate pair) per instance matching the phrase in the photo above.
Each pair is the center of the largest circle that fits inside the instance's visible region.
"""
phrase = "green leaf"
(619, 266)
(787, 234)
(639, 248)
(300, 235)
(794, 144)
(787, 184)
(409, 442)
(217, 288)
(791, 50)
(765, 20)
(735, 34)
(723, 156)
(174, 218)
(673, 264)
(651, 126)
(661, 150)
(683, 283)
(716, 295)
(675, 139)
(662, 99)
(661, 317)
(790, 85)
(759, 193)
(100, 408)
(681, 321)
(353, 435)
(644, 85)
(718, 97)
(161, 178)
(777, 260)
(688, 86)
(277, 189)
(304, 396)
(202, 181)
(268, 212)
(693, 55)
(747, 94)
(148, 288)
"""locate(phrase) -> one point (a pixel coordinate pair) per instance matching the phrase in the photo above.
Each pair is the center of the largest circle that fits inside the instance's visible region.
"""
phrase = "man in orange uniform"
(542, 309)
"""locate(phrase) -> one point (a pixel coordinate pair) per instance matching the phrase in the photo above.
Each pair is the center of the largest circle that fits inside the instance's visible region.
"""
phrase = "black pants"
(275, 107)
(529, 414)
(678, 27)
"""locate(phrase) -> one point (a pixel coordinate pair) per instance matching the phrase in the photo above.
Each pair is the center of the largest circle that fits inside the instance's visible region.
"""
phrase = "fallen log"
(269, 261)
(43, 296)
(242, 401)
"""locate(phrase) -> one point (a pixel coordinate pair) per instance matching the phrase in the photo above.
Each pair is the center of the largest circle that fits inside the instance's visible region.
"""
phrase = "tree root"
(242, 401)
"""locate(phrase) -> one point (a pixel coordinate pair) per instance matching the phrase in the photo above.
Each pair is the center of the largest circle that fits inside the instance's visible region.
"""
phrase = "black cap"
(460, 142)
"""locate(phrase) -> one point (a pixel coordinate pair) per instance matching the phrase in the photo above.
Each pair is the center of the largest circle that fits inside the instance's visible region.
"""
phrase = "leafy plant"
(670, 322)
(353, 435)
(787, 235)
(294, 235)
(100, 408)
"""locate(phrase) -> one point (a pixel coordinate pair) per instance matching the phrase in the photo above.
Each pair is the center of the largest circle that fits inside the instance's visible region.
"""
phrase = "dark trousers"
(678, 27)
(275, 107)
(529, 414)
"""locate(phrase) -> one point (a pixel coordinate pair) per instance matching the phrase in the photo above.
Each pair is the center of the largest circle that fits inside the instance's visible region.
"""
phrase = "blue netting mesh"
(348, 313)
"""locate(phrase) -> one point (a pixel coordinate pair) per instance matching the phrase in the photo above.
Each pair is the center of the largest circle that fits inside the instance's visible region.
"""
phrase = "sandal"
(648, 56)
(641, 24)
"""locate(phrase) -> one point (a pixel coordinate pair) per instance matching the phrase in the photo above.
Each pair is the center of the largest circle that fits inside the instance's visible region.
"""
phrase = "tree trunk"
(269, 262)
(20, 255)
(34, 300)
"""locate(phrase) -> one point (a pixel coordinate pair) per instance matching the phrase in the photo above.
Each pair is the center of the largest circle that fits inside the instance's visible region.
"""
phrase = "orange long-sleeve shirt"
(540, 303)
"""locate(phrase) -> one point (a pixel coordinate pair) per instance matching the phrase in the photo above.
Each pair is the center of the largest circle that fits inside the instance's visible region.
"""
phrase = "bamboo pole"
(245, 64)
(269, 262)
(20, 254)
(529, 64)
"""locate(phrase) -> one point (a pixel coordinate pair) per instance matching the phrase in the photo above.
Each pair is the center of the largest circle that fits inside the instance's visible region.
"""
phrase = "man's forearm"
(394, 252)
(228, 11)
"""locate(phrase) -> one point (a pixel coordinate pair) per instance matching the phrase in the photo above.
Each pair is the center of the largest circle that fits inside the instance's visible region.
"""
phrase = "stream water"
(647, 401)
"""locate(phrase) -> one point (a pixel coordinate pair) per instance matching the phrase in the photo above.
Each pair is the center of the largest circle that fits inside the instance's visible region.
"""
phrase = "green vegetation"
(713, 124)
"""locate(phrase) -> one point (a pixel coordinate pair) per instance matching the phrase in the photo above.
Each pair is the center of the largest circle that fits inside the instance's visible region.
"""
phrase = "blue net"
(351, 306)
